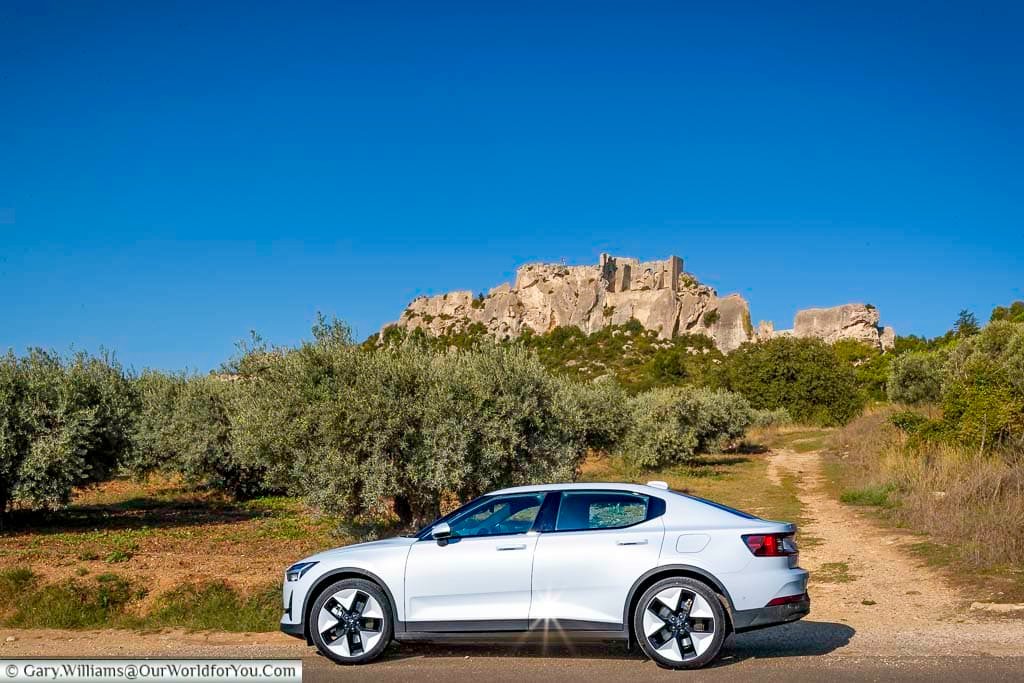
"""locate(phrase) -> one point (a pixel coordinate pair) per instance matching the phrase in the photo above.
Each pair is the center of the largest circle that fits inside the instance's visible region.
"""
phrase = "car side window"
(583, 510)
(500, 515)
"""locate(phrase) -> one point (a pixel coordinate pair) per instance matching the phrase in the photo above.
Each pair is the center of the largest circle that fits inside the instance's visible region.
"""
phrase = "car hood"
(371, 546)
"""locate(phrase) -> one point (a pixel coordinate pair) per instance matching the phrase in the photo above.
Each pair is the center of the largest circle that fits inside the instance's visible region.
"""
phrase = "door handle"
(642, 541)
(517, 546)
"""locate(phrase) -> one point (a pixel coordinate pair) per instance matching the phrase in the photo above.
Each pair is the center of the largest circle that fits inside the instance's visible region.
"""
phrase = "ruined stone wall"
(659, 294)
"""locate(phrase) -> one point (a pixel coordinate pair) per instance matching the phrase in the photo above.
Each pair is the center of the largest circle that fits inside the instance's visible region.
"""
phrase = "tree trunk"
(403, 508)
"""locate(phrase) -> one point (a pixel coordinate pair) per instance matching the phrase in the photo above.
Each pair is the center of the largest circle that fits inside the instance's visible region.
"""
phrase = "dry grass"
(160, 527)
(970, 504)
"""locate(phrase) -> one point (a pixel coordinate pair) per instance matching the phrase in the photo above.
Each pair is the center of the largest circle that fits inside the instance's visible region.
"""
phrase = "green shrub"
(659, 433)
(983, 387)
(874, 496)
(870, 366)
(718, 417)
(185, 427)
(804, 376)
(15, 582)
(908, 421)
(1013, 314)
(690, 359)
(216, 606)
(916, 377)
(63, 423)
(74, 604)
(596, 413)
(670, 425)
(400, 427)
(766, 417)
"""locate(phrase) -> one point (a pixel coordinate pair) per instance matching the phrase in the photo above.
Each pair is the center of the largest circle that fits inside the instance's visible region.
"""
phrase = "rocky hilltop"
(659, 294)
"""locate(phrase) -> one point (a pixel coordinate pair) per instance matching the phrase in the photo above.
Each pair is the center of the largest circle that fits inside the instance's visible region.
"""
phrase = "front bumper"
(294, 630)
(752, 619)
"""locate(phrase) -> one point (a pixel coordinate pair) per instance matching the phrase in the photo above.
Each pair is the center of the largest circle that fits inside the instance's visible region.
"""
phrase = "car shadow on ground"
(799, 639)
(805, 638)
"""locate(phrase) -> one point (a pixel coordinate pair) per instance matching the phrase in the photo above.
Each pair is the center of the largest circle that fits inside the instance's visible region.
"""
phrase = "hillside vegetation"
(951, 462)
(408, 425)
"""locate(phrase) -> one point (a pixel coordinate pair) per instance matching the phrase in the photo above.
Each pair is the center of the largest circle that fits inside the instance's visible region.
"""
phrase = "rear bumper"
(752, 619)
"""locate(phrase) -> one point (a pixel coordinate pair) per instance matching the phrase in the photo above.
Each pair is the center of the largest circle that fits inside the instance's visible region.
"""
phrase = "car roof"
(585, 486)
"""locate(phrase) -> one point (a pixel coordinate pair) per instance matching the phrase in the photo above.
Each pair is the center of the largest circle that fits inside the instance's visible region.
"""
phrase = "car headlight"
(296, 571)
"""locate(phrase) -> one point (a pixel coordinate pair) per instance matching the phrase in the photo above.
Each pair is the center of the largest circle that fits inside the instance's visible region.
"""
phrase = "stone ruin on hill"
(659, 294)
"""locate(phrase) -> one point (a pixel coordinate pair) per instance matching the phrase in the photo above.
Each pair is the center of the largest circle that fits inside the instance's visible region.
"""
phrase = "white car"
(672, 573)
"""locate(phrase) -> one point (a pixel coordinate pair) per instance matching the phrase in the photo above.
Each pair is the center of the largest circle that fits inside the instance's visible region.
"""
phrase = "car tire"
(351, 622)
(680, 623)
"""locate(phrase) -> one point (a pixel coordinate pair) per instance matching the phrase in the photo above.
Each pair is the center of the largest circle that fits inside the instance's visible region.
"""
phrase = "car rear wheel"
(351, 621)
(680, 623)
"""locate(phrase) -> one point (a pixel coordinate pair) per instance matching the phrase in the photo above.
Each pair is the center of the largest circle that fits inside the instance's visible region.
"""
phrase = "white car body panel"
(485, 578)
(564, 576)
(586, 575)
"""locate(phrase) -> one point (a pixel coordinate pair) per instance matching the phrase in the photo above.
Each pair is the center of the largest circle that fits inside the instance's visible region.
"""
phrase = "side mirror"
(441, 532)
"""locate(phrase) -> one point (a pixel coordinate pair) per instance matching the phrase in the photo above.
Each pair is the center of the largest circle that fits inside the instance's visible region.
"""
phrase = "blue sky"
(174, 176)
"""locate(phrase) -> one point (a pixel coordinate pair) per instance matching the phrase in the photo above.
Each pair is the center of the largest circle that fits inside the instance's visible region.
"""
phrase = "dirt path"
(862, 576)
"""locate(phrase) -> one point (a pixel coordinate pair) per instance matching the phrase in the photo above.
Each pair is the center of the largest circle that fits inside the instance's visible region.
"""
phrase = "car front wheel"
(680, 623)
(351, 621)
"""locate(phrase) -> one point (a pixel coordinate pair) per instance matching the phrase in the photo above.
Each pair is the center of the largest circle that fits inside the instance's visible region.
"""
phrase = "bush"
(185, 427)
(74, 604)
(718, 417)
(596, 413)
(63, 423)
(870, 366)
(670, 425)
(908, 421)
(916, 377)
(983, 387)
(1014, 313)
(691, 359)
(216, 606)
(357, 430)
(765, 417)
(804, 376)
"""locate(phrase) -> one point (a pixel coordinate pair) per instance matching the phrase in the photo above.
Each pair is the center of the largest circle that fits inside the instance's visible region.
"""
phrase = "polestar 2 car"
(670, 573)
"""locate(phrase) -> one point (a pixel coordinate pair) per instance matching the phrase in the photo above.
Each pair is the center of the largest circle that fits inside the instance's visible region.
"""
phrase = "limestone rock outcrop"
(849, 321)
(659, 294)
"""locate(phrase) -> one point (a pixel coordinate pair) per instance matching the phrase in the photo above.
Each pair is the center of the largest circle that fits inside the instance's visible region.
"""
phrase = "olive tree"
(672, 424)
(64, 422)
(916, 377)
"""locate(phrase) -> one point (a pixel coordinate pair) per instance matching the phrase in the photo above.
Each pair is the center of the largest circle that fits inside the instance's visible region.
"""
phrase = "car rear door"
(601, 542)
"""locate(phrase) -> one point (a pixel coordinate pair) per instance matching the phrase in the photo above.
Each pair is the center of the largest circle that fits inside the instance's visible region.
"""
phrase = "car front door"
(601, 542)
(479, 578)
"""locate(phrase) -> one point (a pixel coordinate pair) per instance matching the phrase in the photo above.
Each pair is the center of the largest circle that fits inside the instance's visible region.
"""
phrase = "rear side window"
(582, 510)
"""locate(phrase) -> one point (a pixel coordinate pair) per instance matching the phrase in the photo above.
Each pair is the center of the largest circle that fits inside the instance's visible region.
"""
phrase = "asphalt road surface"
(426, 664)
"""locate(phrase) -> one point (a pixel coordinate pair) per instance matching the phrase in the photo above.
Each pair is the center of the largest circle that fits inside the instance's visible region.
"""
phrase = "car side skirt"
(511, 630)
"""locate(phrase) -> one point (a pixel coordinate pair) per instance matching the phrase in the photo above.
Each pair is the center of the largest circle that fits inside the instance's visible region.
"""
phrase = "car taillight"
(787, 600)
(771, 545)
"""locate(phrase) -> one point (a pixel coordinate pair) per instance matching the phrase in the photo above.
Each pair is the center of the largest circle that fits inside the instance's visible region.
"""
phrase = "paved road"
(591, 664)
